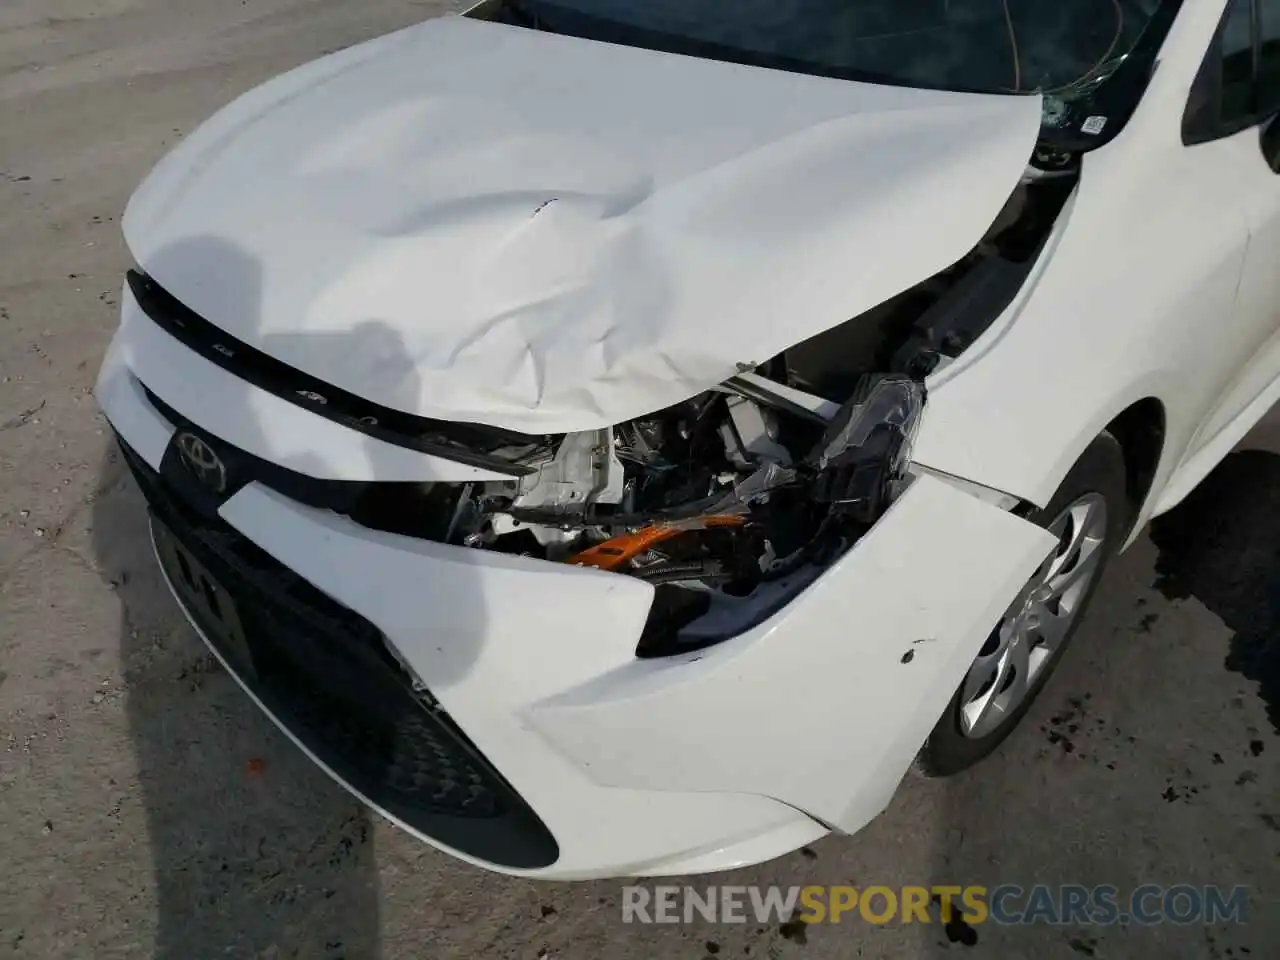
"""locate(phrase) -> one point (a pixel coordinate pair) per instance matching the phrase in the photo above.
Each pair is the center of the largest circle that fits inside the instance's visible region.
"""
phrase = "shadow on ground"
(255, 851)
(1222, 547)
(1137, 761)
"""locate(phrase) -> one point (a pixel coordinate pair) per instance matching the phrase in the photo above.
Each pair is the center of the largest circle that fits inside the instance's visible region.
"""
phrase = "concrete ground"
(146, 809)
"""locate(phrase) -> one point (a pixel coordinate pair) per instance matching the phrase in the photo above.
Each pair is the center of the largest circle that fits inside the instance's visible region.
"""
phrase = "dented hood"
(478, 222)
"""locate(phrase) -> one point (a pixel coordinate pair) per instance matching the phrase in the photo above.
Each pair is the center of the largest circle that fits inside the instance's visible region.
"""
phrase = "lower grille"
(326, 674)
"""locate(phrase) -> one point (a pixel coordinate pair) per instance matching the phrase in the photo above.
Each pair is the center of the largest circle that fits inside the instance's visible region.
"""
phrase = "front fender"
(1128, 305)
(824, 706)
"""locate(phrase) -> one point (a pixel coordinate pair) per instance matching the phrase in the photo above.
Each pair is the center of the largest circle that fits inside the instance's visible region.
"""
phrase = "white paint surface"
(485, 223)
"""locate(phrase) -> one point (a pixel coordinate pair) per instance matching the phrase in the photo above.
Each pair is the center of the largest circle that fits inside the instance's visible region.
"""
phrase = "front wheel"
(1089, 514)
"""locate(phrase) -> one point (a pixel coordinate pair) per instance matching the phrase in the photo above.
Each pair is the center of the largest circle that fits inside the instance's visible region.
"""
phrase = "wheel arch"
(1140, 429)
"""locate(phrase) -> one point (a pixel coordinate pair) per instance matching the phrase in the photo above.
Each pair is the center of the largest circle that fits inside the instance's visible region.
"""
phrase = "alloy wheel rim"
(1038, 621)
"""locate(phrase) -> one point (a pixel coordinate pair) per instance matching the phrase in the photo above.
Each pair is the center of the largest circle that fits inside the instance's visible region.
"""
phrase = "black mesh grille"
(325, 672)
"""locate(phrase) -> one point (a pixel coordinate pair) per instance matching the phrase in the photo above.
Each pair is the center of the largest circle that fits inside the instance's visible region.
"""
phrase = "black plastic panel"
(326, 674)
(466, 443)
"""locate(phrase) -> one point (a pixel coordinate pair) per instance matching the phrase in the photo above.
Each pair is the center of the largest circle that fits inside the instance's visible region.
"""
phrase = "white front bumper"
(712, 760)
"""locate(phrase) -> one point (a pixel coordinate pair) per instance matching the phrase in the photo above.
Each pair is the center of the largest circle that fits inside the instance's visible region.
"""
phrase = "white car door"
(1244, 71)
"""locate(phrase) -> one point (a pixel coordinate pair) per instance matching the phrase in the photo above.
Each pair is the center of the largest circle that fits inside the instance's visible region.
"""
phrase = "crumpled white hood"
(478, 222)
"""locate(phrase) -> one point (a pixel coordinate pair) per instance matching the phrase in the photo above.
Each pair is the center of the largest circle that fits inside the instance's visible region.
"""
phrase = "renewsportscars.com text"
(1069, 904)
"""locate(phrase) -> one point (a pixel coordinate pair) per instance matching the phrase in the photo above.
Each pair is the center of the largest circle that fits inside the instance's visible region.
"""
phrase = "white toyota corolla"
(619, 439)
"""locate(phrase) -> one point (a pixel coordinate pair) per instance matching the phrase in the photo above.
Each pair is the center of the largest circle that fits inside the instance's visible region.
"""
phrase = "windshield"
(1067, 50)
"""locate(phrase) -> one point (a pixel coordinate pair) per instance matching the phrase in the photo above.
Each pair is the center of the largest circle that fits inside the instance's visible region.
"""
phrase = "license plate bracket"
(204, 598)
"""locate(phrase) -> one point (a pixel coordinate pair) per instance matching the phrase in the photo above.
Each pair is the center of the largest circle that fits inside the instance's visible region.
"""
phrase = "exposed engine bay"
(707, 500)
(733, 501)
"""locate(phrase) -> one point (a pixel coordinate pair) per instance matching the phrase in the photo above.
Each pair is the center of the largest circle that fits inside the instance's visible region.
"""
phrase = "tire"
(1100, 471)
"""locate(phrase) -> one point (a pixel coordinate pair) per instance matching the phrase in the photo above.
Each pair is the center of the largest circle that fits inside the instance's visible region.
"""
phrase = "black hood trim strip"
(464, 443)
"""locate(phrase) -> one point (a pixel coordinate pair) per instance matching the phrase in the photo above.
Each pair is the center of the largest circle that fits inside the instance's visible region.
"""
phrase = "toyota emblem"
(204, 464)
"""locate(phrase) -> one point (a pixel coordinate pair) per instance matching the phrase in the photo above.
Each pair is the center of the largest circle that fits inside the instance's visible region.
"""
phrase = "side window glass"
(1269, 56)
(1236, 51)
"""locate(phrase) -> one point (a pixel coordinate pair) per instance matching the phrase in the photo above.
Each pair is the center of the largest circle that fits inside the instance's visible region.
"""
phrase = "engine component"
(710, 501)
(622, 550)
(585, 471)
(784, 398)
(749, 433)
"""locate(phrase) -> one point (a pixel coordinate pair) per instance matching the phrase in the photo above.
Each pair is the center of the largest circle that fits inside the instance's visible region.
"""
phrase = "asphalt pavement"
(147, 810)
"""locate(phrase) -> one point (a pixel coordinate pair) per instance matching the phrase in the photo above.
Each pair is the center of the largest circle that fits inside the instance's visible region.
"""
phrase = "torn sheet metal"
(478, 222)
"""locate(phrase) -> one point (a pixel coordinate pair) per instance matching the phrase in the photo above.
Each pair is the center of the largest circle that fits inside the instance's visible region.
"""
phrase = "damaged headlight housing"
(862, 460)
(729, 503)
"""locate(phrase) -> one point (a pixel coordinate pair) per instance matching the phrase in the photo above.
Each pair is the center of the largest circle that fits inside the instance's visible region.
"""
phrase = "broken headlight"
(861, 463)
(729, 503)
